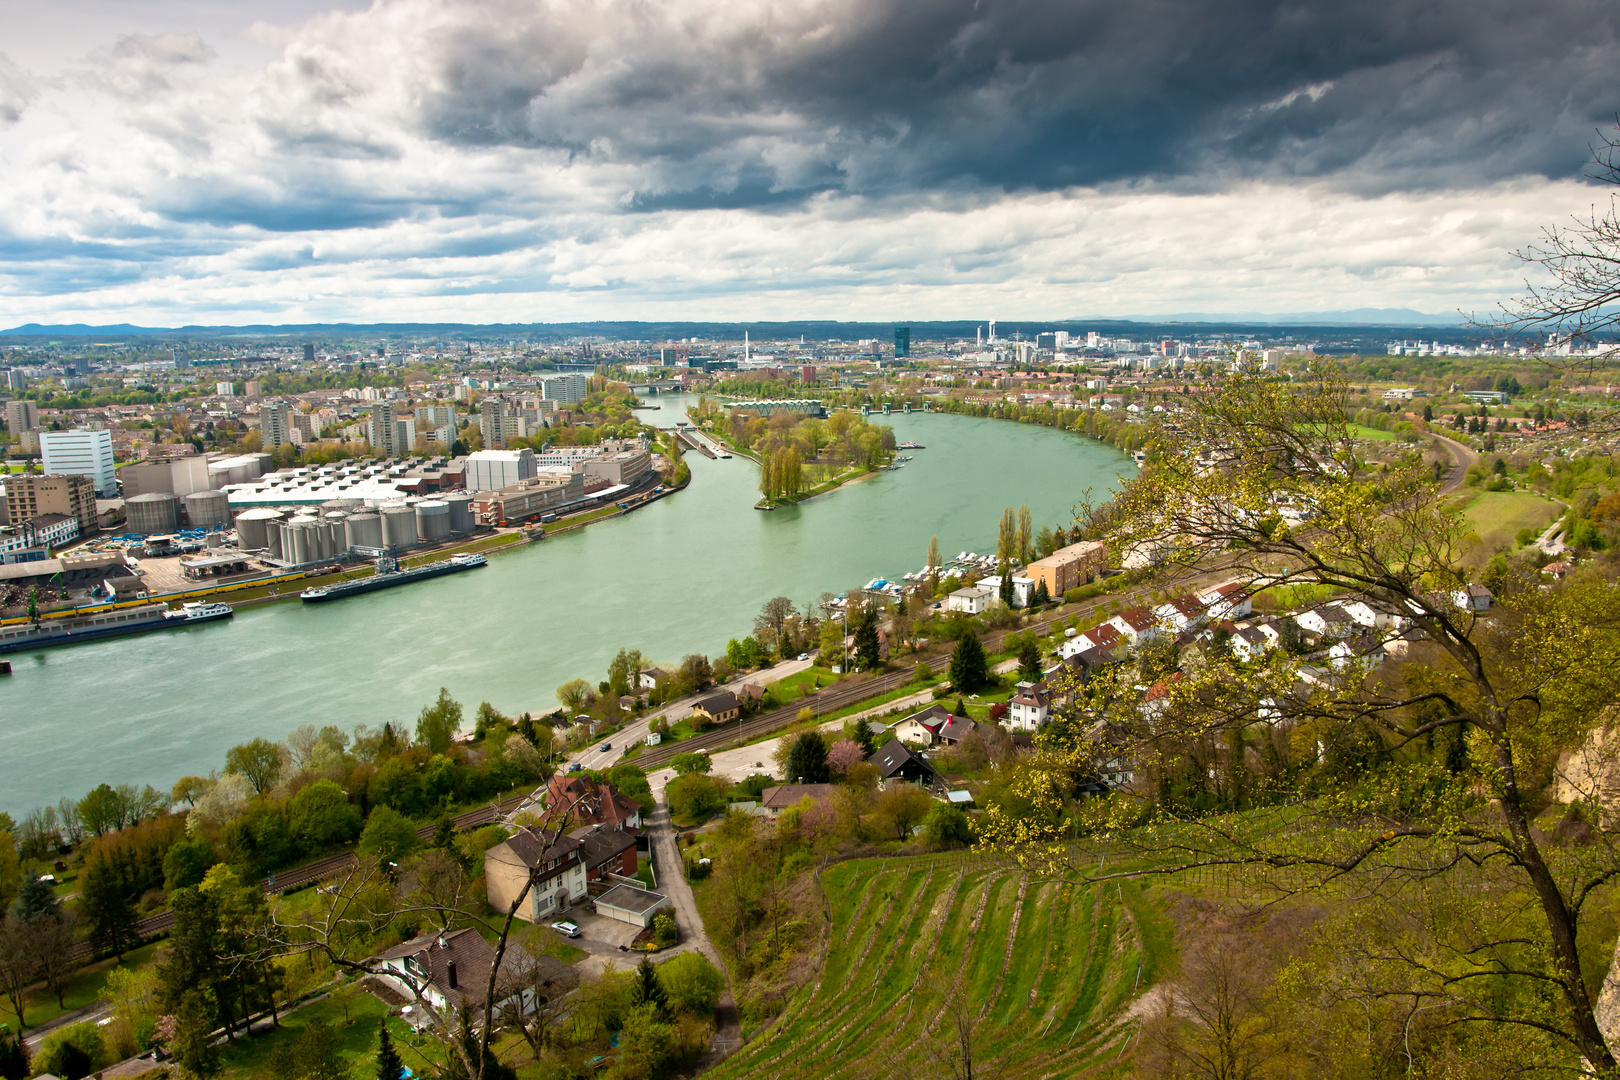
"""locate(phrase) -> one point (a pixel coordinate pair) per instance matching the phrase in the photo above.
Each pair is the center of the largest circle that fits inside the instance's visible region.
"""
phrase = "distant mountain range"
(812, 329)
(1352, 317)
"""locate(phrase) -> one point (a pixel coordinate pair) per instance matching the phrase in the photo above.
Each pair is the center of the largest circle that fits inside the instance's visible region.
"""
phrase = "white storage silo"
(252, 533)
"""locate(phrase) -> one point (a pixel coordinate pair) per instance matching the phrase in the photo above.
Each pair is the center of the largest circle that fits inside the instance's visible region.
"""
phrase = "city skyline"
(166, 162)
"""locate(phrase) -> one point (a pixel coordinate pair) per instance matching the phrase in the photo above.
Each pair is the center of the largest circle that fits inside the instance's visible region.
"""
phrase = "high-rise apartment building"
(29, 496)
(384, 430)
(22, 416)
(254, 388)
(902, 342)
(309, 354)
(15, 380)
(492, 422)
(81, 453)
(567, 389)
(275, 424)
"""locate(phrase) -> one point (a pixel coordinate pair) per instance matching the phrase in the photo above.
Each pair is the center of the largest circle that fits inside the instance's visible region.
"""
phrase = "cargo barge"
(388, 575)
(69, 629)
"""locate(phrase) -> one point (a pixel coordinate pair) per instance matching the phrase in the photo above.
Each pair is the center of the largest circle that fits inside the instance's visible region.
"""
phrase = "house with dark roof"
(607, 851)
(717, 708)
(1029, 707)
(921, 727)
(444, 971)
(559, 869)
(898, 764)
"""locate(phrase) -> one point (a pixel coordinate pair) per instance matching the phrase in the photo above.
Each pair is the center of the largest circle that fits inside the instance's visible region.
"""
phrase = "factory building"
(491, 470)
(177, 476)
(529, 499)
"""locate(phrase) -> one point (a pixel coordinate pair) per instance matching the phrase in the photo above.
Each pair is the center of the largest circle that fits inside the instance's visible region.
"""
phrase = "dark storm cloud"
(895, 95)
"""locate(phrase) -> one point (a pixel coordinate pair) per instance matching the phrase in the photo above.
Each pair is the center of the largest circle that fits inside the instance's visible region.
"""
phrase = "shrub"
(389, 835)
(947, 826)
(72, 1051)
(691, 983)
(664, 931)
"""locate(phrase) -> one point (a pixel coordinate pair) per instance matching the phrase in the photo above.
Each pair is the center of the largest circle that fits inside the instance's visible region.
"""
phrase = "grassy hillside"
(1497, 516)
(1047, 969)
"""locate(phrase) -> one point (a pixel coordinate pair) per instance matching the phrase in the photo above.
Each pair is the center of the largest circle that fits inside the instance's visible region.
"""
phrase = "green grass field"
(1372, 433)
(1497, 516)
(1046, 968)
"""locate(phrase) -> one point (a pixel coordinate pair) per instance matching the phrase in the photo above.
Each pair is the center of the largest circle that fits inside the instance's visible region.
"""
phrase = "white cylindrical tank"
(208, 509)
(363, 530)
(252, 533)
(461, 513)
(432, 520)
(154, 512)
(275, 538)
(399, 526)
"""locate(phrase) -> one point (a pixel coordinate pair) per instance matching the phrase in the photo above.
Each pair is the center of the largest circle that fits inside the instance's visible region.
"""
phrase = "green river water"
(682, 575)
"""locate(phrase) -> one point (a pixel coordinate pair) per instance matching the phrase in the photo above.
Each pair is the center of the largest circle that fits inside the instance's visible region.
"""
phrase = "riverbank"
(850, 475)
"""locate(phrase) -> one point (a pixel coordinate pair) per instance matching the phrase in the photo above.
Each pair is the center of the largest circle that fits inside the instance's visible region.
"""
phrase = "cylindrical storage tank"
(343, 505)
(399, 526)
(275, 538)
(252, 532)
(461, 513)
(154, 512)
(304, 542)
(332, 539)
(208, 509)
(432, 520)
(216, 539)
(363, 530)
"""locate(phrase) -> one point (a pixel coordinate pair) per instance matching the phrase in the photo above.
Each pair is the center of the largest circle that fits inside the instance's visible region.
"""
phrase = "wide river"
(682, 575)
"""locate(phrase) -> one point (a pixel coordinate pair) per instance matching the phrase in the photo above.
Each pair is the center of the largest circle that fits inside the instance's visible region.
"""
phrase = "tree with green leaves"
(389, 1066)
(807, 759)
(259, 760)
(867, 655)
(1025, 537)
(691, 763)
(35, 900)
(1007, 538)
(647, 990)
(1042, 596)
(13, 1057)
(576, 695)
(104, 810)
(106, 908)
(1029, 658)
(968, 669)
(438, 723)
(193, 1047)
(389, 835)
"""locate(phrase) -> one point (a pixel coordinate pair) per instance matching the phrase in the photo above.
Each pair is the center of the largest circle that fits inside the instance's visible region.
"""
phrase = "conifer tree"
(389, 1067)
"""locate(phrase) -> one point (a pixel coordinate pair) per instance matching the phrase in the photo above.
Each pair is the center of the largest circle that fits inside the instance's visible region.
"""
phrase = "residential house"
(898, 764)
(1022, 588)
(971, 600)
(921, 728)
(1249, 642)
(1228, 601)
(779, 798)
(1137, 625)
(1178, 615)
(750, 695)
(1157, 698)
(445, 971)
(1106, 636)
(717, 708)
(1475, 598)
(592, 802)
(559, 866)
(652, 677)
(1362, 652)
(607, 851)
(955, 729)
(1029, 707)
(1326, 621)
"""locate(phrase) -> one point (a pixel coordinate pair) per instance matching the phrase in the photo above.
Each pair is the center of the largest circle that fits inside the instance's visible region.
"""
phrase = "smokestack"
(450, 973)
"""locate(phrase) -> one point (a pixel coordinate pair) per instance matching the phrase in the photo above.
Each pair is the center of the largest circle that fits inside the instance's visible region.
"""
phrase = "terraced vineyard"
(1048, 970)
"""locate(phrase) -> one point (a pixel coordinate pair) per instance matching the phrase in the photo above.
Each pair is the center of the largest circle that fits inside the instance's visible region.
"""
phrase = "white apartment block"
(81, 453)
(491, 470)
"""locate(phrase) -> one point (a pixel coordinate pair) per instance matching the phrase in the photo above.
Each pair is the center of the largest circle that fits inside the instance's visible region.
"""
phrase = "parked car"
(566, 929)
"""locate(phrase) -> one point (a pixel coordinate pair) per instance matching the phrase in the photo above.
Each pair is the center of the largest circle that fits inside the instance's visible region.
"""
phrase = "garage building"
(626, 903)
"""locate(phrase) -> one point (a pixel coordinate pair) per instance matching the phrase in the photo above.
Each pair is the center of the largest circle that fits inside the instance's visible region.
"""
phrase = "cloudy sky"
(175, 161)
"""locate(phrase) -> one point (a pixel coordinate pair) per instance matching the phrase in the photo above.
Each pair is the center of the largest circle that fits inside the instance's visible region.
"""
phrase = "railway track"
(163, 921)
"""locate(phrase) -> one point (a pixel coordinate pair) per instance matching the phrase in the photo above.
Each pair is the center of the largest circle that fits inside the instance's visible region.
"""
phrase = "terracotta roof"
(1137, 618)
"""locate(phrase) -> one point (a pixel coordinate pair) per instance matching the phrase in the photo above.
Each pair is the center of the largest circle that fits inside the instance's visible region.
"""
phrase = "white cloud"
(471, 161)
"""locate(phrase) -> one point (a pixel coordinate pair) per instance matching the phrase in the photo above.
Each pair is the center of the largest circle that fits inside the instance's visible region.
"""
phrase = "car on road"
(605, 747)
(576, 767)
(566, 929)
(804, 656)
